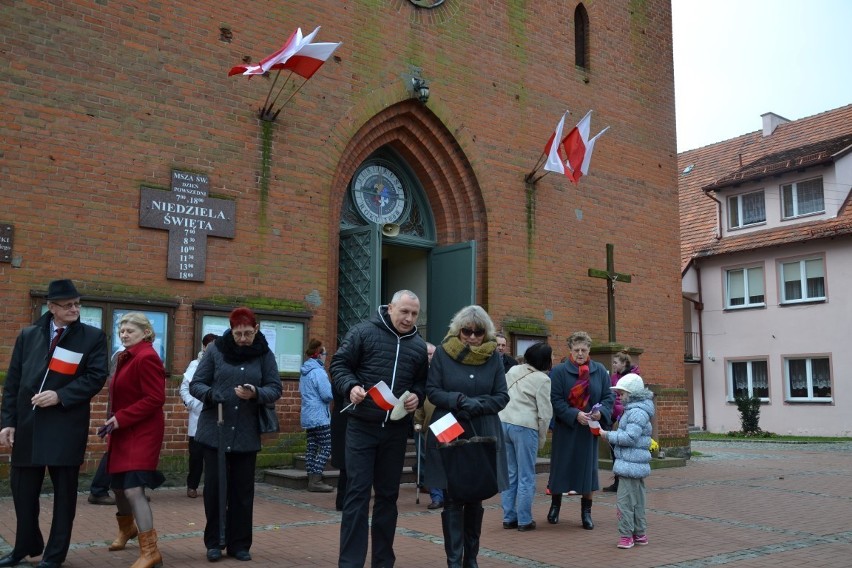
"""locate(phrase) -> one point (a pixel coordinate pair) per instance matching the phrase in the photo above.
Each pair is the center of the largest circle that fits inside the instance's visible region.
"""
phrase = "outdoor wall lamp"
(421, 89)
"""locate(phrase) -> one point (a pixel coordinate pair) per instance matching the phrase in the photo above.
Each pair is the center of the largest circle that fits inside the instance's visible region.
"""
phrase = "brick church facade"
(133, 164)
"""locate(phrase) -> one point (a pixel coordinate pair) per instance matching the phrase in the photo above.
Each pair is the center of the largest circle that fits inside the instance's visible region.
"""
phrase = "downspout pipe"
(718, 214)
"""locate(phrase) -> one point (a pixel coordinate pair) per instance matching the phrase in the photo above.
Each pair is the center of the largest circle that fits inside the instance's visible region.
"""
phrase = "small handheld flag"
(383, 396)
(447, 428)
(65, 361)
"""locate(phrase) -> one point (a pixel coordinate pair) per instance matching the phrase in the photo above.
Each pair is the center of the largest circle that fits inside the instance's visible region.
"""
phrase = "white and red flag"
(383, 396)
(293, 44)
(447, 428)
(579, 148)
(554, 160)
(583, 169)
(307, 60)
(65, 361)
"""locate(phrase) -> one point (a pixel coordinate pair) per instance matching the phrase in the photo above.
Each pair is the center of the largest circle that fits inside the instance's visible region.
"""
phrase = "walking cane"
(417, 428)
(223, 480)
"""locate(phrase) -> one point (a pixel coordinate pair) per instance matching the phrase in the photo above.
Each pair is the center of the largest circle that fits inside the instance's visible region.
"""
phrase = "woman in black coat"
(239, 373)
(466, 377)
(579, 392)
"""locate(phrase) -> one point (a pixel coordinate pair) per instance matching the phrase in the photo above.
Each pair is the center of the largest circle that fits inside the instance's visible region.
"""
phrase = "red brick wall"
(103, 97)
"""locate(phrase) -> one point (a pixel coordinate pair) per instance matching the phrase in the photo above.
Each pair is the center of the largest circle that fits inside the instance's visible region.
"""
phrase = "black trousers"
(26, 483)
(100, 482)
(196, 463)
(239, 471)
(375, 454)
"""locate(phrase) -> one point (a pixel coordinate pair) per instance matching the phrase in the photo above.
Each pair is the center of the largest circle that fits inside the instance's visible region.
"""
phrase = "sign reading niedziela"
(190, 216)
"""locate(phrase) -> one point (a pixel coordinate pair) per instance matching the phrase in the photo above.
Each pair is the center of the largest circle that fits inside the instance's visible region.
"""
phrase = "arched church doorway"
(402, 227)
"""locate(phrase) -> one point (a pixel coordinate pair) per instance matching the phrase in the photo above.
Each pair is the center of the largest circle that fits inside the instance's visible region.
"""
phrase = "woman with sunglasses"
(238, 373)
(466, 378)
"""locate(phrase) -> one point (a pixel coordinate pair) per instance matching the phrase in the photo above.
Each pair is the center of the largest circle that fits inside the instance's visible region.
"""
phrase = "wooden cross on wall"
(611, 278)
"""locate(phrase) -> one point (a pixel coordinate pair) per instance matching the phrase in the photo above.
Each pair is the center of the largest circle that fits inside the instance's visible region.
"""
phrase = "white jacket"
(193, 405)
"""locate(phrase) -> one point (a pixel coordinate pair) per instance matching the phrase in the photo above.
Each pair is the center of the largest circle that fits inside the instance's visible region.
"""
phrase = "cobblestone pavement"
(743, 505)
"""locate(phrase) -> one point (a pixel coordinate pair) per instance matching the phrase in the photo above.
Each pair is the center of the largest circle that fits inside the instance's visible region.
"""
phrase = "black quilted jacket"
(374, 351)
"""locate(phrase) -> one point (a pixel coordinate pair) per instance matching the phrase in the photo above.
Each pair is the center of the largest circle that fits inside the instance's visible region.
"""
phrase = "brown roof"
(794, 145)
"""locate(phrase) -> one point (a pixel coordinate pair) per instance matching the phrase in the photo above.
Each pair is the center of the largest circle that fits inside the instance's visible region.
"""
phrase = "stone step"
(410, 460)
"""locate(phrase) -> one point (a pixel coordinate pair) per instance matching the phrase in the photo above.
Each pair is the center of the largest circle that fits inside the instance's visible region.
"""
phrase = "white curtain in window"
(754, 210)
(798, 374)
(810, 196)
(739, 377)
(759, 379)
(820, 375)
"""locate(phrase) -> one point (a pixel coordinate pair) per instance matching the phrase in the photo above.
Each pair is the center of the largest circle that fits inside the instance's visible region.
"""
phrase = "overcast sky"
(737, 59)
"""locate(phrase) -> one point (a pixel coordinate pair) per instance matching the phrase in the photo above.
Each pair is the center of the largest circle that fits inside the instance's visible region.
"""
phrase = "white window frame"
(750, 380)
(794, 198)
(736, 202)
(809, 379)
(746, 296)
(803, 280)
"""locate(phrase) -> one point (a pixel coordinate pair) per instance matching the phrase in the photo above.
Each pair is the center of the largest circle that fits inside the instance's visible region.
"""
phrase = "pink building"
(766, 259)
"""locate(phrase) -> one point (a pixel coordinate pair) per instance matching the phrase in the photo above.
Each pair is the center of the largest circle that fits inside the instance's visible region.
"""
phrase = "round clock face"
(378, 194)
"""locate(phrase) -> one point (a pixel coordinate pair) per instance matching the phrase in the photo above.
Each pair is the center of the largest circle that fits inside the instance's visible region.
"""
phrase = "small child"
(632, 458)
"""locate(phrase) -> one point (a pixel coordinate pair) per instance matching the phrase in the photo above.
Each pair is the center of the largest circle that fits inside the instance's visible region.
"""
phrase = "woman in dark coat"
(137, 424)
(466, 377)
(239, 372)
(578, 386)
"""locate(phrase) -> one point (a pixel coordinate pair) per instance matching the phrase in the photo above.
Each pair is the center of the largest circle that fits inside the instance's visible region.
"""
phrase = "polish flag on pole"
(587, 158)
(447, 428)
(575, 144)
(554, 161)
(293, 44)
(579, 148)
(309, 59)
(383, 396)
(64, 361)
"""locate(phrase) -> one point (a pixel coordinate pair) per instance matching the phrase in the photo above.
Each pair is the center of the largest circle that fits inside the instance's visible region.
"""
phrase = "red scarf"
(579, 395)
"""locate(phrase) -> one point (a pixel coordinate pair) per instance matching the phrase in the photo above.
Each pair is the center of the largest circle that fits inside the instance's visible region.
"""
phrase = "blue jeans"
(521, 449)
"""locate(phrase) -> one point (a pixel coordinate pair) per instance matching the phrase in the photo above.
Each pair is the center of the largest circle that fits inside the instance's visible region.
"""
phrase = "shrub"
(749, 407)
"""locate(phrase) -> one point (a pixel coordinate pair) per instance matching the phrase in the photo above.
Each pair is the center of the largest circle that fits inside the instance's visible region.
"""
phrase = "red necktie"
(56, 337)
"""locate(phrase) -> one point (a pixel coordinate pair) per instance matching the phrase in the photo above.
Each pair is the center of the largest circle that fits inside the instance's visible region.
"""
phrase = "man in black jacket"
(58, 365)
(385, 348)
(508, 360)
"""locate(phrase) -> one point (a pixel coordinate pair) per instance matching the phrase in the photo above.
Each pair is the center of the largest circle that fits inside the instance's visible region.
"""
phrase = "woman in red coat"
(136, 427)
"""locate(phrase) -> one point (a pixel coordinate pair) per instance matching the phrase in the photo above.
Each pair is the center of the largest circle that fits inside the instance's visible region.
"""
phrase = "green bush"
(749, 407)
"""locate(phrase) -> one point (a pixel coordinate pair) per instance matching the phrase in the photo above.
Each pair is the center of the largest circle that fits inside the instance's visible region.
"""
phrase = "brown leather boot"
(126, 531)
(149, 554)
(316, 484)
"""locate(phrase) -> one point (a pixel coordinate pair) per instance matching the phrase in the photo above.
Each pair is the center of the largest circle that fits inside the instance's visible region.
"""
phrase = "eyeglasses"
(68, 306)
(244, 334)
(466, 331)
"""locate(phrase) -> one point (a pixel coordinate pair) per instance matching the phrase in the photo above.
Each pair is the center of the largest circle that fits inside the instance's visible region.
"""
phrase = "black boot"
(452, 522)
(586, 513)
(612, 488)
(555, 505)
(473, 513)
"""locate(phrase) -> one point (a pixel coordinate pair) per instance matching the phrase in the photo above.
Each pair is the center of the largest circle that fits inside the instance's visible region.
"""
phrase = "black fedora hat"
(61, 290)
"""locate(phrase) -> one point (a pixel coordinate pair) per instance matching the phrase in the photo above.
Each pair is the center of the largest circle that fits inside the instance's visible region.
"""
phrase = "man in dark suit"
(508, 360)
(58, 365)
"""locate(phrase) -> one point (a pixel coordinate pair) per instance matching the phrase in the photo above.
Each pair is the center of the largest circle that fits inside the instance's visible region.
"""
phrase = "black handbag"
(267, 418)
(470, 465)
